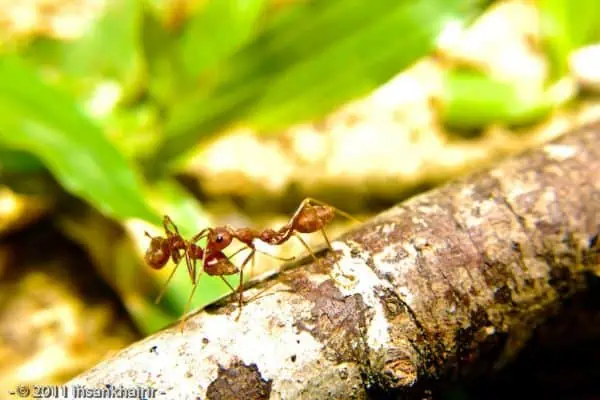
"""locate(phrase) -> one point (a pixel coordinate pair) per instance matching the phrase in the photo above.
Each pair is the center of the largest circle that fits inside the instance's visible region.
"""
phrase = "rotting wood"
(449, 283)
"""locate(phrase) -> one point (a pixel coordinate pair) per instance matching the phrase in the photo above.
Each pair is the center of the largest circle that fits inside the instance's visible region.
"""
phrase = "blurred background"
(113, 113)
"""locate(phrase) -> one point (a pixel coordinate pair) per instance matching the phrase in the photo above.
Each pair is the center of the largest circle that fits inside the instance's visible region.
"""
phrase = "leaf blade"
(285, 69)
(48, 124)
(565, 26)
(472, 100)
(216, 32)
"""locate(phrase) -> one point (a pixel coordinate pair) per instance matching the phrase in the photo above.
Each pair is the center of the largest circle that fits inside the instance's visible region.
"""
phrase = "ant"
(173, 246)
(310, 216)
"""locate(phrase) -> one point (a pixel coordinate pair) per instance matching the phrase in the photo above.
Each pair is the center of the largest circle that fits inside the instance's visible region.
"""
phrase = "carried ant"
(310, 216)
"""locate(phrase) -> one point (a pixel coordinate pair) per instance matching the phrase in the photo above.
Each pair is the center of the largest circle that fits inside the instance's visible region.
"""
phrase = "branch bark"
(450, 283)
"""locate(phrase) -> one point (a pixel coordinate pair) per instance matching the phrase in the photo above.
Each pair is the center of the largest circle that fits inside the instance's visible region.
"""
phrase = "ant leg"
(261, 252)
(195, 283)
(189, 302)
(313, 254)
(194, 274)
(227, 283)
(241, 286)
(187, 307)
(198, 236)
(164, 288)
(238, 251)
(191, 265)
(268, 286)
(252, 265)
(309, 200)
(306, 246)
(350, 277)
(274, 256)
(230, 257)
(257, 295)
(194, 240)
(326, 239)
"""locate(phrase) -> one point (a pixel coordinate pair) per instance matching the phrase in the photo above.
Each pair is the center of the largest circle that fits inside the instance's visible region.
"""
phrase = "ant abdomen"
(158, 253)
(325, 214)
(311, 219)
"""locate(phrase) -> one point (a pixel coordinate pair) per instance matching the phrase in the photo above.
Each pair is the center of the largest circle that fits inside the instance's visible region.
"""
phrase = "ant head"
(219, 238)
(158, 253)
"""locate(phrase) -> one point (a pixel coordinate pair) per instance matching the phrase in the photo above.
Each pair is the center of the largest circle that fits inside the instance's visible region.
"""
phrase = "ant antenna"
(262, 252)
(306, 246)
(202, 234)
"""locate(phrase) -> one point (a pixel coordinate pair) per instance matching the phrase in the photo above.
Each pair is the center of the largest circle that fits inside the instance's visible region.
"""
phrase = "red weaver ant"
(311, 216)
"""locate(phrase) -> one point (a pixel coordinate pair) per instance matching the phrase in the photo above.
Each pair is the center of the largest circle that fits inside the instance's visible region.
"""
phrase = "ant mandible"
(310, 216)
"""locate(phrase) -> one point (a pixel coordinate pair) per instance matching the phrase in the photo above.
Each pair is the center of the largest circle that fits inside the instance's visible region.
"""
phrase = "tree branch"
(450, 283)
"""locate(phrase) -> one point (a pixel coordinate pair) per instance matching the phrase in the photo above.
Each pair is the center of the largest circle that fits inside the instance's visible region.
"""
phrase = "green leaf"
(134, 130)
(354, 65)
(112, 47)
(472, 100)
(309, 61)
(565, 26)
(159, 51)
(109, 50)
(41, 120)
(317, 27)
(217, 31)
(18, 161)
(147, 316)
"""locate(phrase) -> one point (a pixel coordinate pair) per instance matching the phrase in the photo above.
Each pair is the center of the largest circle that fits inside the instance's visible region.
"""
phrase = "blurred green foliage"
(474, 100)
(111, 115)
(19, 161)
(567, 25)
(308, 60)
(42, 120)
(224, 26)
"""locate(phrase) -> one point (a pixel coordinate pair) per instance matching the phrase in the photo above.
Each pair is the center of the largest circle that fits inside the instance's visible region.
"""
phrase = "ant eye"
(219, 238)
